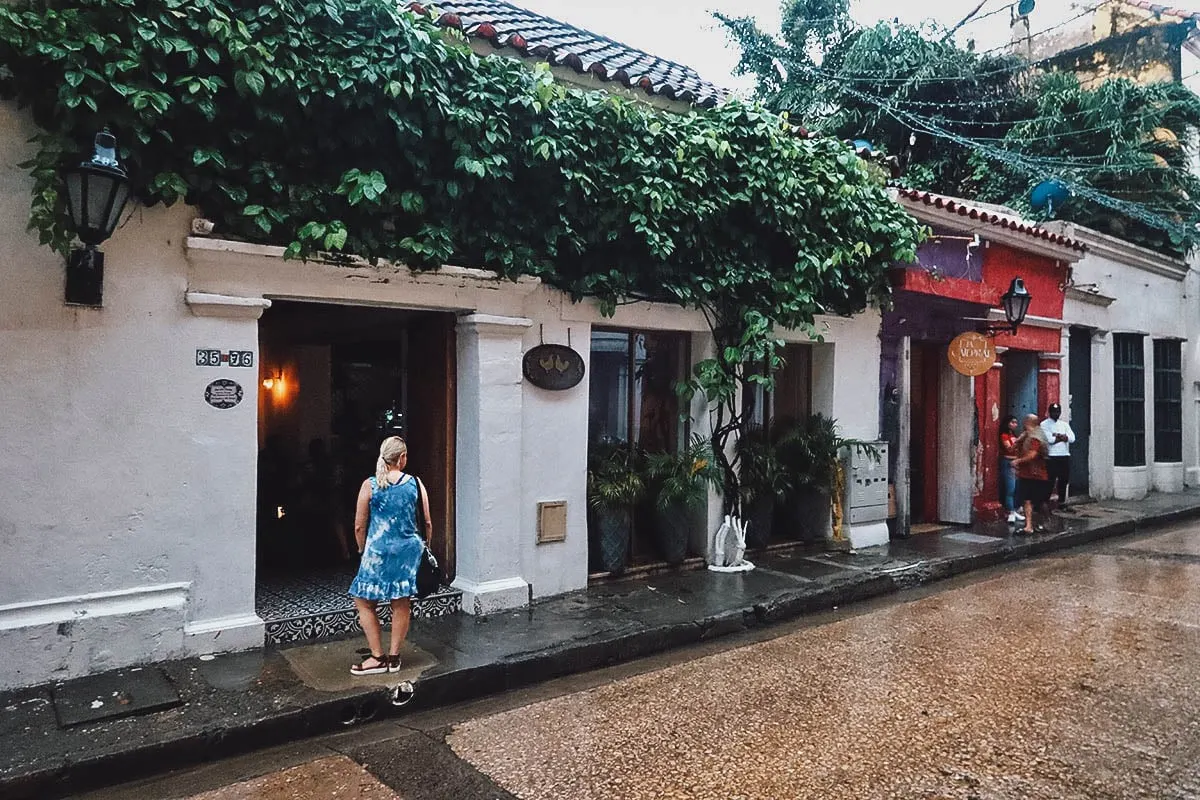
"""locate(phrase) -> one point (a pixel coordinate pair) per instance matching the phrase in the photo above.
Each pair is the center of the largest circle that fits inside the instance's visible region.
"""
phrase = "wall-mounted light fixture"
(1016, 305)
(97, 190)
(273, 379)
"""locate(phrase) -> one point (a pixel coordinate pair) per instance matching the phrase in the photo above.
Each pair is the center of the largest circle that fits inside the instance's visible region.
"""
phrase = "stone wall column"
(1049, 381)
(488, 463)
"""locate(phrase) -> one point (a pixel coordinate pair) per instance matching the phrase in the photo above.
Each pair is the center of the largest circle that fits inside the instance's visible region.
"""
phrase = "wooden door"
(432, 380)
(923, 446)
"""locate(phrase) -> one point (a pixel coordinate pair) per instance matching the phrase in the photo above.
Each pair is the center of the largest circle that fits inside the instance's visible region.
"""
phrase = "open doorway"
(942, 425)
(923, 443)
(336, 380)
(1080, 394)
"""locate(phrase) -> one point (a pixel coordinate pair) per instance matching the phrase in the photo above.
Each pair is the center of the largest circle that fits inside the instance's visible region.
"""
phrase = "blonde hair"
(390, 453)
(1034, 429)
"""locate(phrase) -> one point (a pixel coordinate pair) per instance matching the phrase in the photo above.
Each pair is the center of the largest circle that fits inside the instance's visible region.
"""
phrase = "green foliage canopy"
(987, 125)
(353, 127)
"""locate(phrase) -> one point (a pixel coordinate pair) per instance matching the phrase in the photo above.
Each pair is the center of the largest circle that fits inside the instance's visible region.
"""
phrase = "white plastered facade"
(127, 513)
(1122, 288)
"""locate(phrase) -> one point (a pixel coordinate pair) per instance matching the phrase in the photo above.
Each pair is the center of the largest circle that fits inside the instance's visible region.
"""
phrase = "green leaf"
(335, 240)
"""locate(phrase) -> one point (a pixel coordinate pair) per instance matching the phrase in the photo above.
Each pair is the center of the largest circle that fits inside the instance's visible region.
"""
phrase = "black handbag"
(429, 574)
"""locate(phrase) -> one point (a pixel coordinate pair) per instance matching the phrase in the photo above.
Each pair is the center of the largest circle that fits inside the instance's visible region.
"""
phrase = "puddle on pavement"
(326, 666)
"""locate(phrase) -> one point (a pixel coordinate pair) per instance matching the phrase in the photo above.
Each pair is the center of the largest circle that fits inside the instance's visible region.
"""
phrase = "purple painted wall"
(951, 254)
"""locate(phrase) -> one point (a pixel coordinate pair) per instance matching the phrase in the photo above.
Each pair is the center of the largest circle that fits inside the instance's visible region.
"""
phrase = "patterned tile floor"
(312, 604)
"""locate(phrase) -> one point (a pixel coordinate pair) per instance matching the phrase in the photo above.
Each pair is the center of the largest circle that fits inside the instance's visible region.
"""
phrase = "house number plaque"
(553, 366)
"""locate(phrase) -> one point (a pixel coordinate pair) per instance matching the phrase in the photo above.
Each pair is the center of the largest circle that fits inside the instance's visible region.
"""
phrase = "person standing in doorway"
(385, 528)
(1033, 484)
(1060, 438)
(1009, 435)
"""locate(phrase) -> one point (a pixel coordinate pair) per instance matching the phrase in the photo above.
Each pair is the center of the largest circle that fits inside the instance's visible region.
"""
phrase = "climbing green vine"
(355, 128)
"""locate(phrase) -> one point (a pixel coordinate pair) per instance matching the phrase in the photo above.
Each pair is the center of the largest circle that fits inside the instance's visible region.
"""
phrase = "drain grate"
(123, 693)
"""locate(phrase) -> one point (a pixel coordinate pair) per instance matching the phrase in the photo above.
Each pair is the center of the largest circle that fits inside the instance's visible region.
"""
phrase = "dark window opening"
(1129, 390)
(1168, 401)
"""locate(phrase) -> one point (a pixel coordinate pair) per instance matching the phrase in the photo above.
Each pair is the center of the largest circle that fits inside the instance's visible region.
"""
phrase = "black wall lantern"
(97, 191)
(1016, 305)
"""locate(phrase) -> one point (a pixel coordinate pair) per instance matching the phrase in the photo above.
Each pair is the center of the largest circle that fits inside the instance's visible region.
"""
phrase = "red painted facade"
(1045, 279)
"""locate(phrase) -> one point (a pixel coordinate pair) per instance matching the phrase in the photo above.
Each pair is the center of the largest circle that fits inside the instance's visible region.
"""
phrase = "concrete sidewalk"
(218, 707)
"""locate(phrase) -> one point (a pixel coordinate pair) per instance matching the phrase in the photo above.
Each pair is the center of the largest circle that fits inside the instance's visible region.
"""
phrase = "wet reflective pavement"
(334, 778)
(1069, 677)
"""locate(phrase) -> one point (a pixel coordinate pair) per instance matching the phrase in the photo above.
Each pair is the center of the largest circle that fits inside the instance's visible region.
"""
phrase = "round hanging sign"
(553, 366)
(971, 354)
(223, 393)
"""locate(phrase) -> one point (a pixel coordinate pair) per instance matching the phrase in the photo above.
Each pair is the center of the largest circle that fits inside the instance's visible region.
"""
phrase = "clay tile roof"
(1159, 10)
(951, 205)
(504, 24)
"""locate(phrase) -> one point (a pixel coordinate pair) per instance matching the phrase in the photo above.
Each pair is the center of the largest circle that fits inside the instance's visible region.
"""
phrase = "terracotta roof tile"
(1157, 9)
(506, 25)
(952, 205)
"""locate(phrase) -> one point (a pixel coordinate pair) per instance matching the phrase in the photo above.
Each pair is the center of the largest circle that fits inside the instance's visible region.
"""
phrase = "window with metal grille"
(1168, 401)
(1129, 385)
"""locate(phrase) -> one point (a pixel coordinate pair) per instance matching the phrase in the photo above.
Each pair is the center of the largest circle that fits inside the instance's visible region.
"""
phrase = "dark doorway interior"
(1080, 389)
(923, 445)
(336, 380)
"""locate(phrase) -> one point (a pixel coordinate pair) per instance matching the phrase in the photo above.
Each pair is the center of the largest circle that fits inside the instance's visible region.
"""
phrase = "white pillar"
(488, 464)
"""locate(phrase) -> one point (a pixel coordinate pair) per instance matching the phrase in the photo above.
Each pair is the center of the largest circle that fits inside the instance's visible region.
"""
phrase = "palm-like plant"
(613, 478)
(762, 475)
(810, 450)
(682, 479)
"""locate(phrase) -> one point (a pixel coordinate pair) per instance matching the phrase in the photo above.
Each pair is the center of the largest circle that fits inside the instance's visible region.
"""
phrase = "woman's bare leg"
(370, 624)
(1029, 516)
(401, 616)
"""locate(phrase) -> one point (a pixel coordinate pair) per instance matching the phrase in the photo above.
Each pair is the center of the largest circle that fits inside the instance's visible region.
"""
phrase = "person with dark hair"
(1009, 435)
(1060, 437)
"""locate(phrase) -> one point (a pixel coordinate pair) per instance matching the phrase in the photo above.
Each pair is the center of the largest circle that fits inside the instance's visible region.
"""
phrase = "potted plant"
(680, 483)
(810, 452)
(763, 482)
(614, 486)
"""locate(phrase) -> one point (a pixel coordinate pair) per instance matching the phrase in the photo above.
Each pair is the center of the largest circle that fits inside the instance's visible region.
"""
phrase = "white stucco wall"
(845, 372)
(1122, 288)
(126, 513)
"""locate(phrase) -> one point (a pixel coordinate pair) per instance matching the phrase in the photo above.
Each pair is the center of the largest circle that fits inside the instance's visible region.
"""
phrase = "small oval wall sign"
(223, 393)
(553, 366)
(971, 354)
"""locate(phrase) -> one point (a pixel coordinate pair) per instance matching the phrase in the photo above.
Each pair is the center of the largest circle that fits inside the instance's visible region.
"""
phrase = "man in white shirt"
(1058, 464)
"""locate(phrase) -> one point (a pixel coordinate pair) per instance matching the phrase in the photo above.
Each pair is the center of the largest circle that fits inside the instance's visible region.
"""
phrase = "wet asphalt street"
(1071, 676)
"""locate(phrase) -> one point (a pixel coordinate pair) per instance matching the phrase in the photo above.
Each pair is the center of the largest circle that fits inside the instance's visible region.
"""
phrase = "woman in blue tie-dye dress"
(385, 526)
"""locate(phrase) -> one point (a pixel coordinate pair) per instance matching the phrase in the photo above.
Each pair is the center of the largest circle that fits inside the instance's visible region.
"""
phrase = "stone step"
(303, 604)
(340, 621)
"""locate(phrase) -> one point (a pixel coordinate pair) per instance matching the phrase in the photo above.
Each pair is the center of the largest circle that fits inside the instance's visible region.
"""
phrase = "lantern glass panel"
(120, 196)
(100, 191)
(76, 183)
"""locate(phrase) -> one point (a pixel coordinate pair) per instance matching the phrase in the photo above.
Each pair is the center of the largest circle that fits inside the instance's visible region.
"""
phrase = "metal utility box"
(866, 485)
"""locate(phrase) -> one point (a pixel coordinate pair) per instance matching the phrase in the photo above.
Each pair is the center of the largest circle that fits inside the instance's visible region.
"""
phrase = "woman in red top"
(1033, 481)
(1008, 474)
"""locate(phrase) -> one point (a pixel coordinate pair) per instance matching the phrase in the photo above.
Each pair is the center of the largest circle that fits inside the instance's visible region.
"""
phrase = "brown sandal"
(393, 662)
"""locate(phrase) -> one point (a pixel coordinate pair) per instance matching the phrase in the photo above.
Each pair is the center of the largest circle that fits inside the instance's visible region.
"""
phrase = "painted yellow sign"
(971, 354)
